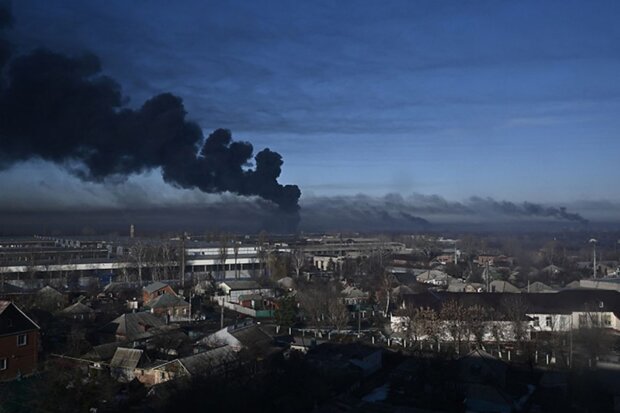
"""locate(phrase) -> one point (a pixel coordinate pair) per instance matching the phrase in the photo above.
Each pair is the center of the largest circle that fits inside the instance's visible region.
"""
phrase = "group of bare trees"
(466, 324)
(323, 305)
(161, 259)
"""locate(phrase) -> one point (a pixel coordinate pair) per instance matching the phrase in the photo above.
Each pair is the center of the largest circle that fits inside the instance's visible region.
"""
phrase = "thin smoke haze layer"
(64, 110)
(395, 212)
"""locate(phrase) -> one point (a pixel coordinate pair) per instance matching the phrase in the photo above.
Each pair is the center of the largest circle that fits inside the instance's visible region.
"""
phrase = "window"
(3, 364)
(606, 319)
(548, 321)
(536, 321)
(22, 340)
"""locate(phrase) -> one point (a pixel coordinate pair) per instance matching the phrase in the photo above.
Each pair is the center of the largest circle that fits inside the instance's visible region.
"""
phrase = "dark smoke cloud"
(63, 109)
(491, 208)
(394, 212)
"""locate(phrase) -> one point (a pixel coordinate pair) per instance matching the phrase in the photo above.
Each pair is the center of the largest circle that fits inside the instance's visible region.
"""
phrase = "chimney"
(131, 231)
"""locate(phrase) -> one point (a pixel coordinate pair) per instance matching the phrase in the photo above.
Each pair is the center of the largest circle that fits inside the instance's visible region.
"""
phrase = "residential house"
(552, 270)
(213, 362)
(498, 325)
(50, 299)
(256, 302)
(538, 287)
(574, 309)
(330, 356)
(601, 284)
(483, 260)
(154, 290)
(169, 305)
(465, 287)
(353, 295)
(78, 311)
(499, 286)
(247, 336)
(478, 366)
(125, 362)
(286, 283)
(135, 326)
(19, 342)
(233, 289)
(434, 277)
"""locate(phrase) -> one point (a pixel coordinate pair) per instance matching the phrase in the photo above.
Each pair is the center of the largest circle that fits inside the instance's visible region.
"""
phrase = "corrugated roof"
(209, 362)
(126, 358)
(102, 352)
(253, 337)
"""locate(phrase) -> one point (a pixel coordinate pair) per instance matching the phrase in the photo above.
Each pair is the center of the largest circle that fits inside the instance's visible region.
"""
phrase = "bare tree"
(414, 323)
(236, 257)
(454, 315)
(223, 254)
(262, 253)
(168, 256)
(154, 262)
(337, 311)
(515, 309)
(476, 317)
(298, 259)
(138, 253)
(323, 304)
(431, 324)
(312, 301)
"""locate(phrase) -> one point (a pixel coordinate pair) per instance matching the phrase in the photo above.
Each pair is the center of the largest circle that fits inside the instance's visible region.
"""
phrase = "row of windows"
(594, 320)
(548, 321)
(585, 320)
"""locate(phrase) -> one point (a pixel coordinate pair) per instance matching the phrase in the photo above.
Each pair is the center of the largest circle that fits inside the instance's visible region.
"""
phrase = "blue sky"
(513, 100)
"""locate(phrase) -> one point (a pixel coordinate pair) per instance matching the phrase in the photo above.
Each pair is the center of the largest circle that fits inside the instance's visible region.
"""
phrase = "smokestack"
(131, 231)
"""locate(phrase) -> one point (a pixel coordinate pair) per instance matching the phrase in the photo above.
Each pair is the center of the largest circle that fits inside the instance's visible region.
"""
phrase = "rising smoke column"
(64, 110)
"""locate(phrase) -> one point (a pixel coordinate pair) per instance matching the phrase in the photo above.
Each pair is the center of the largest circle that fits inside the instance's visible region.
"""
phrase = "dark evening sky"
(511, 100)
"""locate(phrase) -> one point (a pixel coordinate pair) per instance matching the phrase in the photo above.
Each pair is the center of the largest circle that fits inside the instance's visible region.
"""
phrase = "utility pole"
(456, 254)
(359, 319)
(488, 277)
(570, 338)
(222, 315)
(593, 241)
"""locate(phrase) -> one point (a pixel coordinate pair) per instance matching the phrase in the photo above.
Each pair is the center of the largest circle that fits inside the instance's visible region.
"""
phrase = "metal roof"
(209, 362)
(151, 288)
(77, 308)
(136, 325)
(126, 358)
(167, 300)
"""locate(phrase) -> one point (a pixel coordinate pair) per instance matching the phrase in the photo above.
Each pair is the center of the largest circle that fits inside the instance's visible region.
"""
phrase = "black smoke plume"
(394, 212)
(64, 110)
